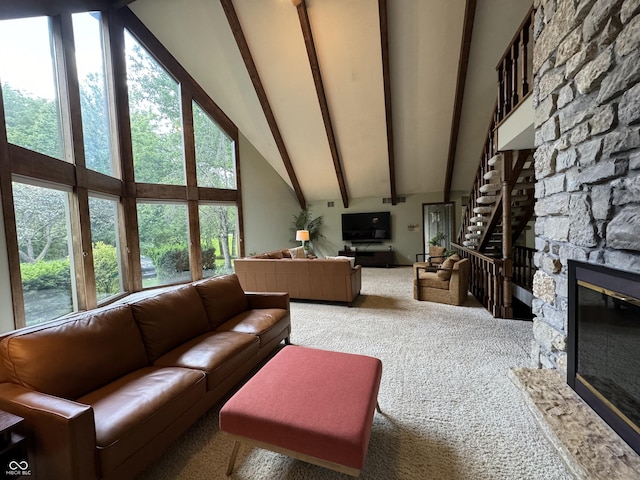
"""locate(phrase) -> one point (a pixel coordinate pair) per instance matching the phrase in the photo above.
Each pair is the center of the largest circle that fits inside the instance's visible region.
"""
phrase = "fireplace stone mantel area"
(588, 446)
(586, 99)
(587, 161)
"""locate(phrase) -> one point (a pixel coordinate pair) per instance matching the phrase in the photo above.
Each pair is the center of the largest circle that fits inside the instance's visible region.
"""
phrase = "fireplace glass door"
(604, 345)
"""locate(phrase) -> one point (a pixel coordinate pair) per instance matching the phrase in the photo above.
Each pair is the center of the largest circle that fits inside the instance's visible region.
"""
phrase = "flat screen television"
(366, 227)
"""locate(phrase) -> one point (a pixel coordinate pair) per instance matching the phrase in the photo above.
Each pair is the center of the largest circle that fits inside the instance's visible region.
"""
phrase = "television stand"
(371, 258)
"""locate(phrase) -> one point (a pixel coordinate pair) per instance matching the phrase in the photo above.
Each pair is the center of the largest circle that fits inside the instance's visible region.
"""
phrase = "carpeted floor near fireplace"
(451, 411)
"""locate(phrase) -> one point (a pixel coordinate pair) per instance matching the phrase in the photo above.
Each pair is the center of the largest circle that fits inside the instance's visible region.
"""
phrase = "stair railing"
(486, 281)
(515, 72)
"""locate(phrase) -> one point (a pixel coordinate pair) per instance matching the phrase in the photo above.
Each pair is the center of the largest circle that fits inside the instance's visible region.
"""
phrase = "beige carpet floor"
(450, 410)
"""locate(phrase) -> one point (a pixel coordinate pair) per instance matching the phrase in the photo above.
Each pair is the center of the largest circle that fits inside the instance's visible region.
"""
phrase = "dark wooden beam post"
(305, 24)
(507, 248)
(463, 63)
(243, 46)
(386, 76)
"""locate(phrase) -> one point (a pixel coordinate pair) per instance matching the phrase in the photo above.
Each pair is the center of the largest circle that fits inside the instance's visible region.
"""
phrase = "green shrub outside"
(49, 274)
(171, 259)
(105, 265)
(45, 274)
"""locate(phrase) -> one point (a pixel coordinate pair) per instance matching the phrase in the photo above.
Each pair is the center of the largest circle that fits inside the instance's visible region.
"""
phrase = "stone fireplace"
(587, 161)
(586, 99)
(604, 344)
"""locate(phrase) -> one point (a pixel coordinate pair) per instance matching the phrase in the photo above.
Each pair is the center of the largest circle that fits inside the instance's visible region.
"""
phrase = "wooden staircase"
(501, 202)
(501, 205)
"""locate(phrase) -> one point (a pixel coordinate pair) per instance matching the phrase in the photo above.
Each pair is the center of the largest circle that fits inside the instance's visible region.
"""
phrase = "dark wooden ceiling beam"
(386, 76)
(243, 46)
(305, 24)
(463, 63)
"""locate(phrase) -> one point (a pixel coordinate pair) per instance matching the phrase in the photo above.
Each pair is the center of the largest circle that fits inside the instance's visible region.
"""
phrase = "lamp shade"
(302, 235)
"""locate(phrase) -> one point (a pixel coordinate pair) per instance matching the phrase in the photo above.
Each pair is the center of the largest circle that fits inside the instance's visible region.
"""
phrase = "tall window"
(70, 207)
(156, 127)
(218, 238)
(106, 247)
(29, 86)
(215, 161)
(164, 241)
(44, 243)
(90, 61)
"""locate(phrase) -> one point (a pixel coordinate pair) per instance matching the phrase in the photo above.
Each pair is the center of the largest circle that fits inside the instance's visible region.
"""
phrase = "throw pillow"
(297, 252)
(352, 260)
(444, 273)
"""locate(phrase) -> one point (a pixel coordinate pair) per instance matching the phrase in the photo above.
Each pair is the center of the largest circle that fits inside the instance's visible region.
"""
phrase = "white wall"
(405, 243)
(268, 203)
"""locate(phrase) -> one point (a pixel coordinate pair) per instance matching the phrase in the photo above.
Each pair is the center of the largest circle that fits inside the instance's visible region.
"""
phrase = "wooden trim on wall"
(245, 52)
(386, 76)
(18, 163)
(463, 63)
(307, 34)
(10, 231)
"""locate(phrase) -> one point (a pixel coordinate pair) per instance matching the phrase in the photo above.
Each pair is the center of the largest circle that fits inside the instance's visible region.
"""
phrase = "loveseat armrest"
(268, 300)
(62, 432)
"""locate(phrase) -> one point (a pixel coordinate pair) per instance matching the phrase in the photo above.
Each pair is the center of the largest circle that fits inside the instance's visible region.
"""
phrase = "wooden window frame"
(72, 173)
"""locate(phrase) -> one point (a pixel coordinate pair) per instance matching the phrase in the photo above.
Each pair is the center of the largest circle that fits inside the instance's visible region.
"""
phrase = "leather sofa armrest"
(268, 300)
(62, 432)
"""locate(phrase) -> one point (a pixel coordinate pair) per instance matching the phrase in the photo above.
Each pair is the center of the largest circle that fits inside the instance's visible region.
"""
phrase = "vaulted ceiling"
(305, 83)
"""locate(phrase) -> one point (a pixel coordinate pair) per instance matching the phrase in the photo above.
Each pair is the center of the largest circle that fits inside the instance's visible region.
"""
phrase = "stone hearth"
(589, 447)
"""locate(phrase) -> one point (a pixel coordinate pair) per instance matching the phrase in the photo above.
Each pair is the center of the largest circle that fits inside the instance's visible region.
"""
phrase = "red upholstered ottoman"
(312, 405)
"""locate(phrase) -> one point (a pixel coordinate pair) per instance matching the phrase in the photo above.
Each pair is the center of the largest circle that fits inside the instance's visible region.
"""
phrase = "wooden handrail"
(515, 69)
(523, 266)
(486, 280)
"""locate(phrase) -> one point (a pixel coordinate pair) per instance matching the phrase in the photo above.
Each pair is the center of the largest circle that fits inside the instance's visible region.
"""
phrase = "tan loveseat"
(105, 392)
(447, 282)
(327, 279)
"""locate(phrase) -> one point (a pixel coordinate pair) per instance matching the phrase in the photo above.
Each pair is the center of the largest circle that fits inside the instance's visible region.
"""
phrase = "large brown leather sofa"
(326, 279)
(105, 392)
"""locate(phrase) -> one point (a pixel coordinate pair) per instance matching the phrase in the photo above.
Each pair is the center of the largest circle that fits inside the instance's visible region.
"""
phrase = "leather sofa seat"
(137, 406)
(105, 392)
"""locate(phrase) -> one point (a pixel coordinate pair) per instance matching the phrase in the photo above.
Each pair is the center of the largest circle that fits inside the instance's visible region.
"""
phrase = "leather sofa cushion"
(266, 323)
(223, 298)
(217, 354)
(170, 319)
(139, 406)
(76, 355)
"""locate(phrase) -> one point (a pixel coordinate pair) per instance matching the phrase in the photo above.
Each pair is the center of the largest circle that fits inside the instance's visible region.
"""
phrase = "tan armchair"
(435, 256)
(446, 283)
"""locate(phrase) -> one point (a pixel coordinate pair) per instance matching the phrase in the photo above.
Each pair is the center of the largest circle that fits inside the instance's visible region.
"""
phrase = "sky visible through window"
(28, 68)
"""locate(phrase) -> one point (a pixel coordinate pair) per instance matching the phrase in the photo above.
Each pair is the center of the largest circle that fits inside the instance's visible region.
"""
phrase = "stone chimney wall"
(587, 162)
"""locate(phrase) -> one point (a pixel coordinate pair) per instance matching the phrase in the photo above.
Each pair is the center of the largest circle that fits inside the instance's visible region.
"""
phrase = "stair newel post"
(507, 250)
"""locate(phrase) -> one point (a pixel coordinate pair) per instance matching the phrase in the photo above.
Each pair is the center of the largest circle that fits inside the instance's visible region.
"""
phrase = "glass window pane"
(90, 62)
(155, 115)
(164, 243)
(106, 251)
(215, 166)
(29, 86)
(44, 241)
(219, 238)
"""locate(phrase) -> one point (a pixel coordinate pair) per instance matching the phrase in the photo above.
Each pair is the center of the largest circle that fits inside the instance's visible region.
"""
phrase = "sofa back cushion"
(74, 356)
(169, 319)
(223, 298)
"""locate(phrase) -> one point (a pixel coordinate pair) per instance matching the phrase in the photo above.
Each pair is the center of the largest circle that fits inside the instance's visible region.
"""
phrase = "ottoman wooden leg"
(232, 459)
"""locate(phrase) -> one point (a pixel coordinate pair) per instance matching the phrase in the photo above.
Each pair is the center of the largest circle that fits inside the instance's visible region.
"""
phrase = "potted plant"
(436, 251)
(305, 221)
